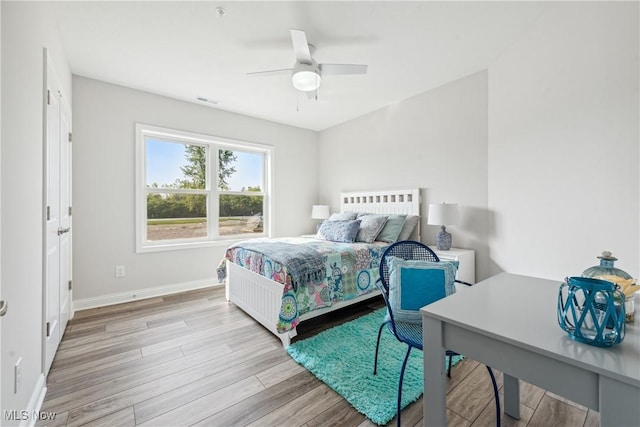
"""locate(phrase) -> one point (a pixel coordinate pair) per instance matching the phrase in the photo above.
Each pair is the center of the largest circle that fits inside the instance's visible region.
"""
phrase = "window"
(194, 190)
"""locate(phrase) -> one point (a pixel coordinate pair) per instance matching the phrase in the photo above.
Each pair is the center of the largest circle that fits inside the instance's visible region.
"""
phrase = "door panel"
(52, 260)
(65, 213)
(57, 300)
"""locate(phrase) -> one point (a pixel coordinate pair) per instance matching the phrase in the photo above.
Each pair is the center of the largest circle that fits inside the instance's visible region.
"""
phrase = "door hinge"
(48, 329)
(48, 97)
(69, 210)
(70, 136)
(48, 213)
(70, 285)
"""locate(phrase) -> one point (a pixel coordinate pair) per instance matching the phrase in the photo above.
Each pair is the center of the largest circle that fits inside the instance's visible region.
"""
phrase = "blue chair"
(410, 333)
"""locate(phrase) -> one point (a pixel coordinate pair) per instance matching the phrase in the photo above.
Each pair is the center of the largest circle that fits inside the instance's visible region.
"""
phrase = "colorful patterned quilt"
(351, 270)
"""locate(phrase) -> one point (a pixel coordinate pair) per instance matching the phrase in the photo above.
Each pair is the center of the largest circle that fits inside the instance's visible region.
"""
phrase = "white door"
(65, 214)
(3, 307)
(57, 217)
(52, 213)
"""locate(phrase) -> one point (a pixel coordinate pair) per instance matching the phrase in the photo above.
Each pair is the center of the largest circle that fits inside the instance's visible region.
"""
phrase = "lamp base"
(443, 240)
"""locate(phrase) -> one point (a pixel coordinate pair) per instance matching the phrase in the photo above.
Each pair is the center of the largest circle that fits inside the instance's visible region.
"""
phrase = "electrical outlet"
(17, 375)
(119, 271)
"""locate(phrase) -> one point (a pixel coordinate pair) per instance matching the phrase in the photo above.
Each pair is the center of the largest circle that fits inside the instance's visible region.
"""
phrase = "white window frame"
(212, 192)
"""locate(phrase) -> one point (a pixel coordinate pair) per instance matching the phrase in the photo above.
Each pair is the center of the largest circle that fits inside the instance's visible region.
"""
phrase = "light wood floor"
(194, 359)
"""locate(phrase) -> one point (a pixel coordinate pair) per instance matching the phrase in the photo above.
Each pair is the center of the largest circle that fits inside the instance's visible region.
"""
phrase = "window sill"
(177, 246)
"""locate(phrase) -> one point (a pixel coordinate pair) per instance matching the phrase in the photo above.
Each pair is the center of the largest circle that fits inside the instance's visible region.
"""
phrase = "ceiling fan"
(306, 73)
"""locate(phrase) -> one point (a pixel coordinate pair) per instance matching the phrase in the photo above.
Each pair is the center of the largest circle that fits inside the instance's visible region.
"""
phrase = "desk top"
(522, 311)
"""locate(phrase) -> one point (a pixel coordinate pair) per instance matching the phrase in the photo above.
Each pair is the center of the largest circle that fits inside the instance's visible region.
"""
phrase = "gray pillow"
(370, 227)
(409, 225)
(342, 216)
(339, 231)
(392, 228)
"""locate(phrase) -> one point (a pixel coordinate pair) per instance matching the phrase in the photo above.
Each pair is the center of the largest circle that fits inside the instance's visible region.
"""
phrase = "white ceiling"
(185, 50)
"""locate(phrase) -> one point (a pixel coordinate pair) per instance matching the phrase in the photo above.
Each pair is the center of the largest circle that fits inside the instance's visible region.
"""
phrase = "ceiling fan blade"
(271, 72)
(342, 69)
(301, 47)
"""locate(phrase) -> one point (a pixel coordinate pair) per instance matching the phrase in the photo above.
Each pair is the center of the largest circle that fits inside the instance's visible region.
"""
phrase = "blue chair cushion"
(416, 283)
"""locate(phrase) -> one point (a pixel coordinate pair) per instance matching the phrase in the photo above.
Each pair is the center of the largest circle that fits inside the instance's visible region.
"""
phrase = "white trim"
(35, 403)
(85, 303)
(191, 244)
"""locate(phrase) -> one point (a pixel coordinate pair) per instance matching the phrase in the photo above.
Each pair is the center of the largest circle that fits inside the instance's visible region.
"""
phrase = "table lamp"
(443, 214)
(320, 212)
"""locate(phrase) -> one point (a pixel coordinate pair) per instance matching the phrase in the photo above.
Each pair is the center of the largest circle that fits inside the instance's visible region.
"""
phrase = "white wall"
(103, 187)
(26, 29)
(436, 141)
(563, 143)
(543, 158)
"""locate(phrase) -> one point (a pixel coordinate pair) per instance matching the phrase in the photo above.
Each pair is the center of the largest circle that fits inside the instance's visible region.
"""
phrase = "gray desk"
(509, 322)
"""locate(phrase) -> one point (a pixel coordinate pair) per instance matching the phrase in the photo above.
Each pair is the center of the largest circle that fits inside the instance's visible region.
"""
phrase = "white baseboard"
(35, 403)
(138, 294)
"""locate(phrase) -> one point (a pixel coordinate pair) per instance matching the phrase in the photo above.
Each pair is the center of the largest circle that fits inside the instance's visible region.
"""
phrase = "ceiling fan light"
(306, 80)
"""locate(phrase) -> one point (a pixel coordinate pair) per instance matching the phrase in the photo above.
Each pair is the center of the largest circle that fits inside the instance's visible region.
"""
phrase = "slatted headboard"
(383, 202)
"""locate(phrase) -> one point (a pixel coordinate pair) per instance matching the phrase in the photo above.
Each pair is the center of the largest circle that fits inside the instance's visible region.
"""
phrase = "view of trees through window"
(178, 194)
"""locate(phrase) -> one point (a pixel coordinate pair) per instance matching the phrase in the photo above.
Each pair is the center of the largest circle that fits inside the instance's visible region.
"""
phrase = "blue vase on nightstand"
(443, 239)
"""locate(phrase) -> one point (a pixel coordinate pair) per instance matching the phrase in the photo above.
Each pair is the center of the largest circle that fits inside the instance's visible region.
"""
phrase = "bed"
(264, 289)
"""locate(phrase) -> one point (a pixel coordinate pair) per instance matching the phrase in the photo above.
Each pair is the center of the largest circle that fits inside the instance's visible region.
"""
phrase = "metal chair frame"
(412, 250)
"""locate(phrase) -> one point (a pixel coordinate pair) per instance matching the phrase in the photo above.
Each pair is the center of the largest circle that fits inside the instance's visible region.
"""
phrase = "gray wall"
(26, 30)
(436, 141)
(541, 151)
(563, 143)
(104, 186)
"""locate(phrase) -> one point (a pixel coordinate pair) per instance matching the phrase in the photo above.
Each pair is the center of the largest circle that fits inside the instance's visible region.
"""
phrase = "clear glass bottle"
(605, 268)
(607, 271)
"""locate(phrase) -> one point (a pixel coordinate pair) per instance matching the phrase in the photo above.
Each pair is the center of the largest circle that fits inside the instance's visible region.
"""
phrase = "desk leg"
(435, 394)
(511, 396)
(618, 403)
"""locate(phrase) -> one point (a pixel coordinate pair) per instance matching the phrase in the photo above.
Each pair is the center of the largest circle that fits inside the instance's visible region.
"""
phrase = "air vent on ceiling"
(207, 100)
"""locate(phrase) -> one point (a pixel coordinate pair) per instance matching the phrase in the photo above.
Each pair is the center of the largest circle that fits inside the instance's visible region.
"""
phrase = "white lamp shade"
(443, 214)
(320, 212)
(306, 80)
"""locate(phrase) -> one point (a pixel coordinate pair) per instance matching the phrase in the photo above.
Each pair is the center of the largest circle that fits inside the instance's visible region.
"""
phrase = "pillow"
(415, 283)
(392, 228)
(370, 227)
(342, 216)
(409, 225)
(338, 231)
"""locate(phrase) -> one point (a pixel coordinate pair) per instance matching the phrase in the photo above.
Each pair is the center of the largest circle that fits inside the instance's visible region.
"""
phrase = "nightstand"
(466, 258)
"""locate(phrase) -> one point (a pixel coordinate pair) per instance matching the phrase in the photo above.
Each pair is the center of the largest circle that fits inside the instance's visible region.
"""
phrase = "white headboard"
(383, 202)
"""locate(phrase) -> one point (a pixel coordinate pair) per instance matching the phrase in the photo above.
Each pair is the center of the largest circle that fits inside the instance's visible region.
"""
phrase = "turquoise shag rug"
(342, 358)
